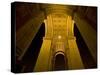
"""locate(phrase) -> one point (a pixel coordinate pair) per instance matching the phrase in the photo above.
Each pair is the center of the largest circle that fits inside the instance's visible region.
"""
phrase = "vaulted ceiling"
(26, 11)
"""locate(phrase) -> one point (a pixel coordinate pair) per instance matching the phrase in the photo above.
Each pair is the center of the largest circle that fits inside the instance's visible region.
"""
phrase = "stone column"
(25, 34)
(88, 33)
(74, 58)
(43, 60)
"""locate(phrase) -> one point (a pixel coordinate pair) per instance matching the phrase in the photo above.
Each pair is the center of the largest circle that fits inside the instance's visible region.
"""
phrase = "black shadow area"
(86, 56)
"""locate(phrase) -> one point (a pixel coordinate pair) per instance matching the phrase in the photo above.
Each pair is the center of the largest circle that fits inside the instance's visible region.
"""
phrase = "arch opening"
(59, 62)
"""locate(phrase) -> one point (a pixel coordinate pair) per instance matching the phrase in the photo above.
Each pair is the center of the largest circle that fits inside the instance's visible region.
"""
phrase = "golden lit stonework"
(51, 37)
(59, 40)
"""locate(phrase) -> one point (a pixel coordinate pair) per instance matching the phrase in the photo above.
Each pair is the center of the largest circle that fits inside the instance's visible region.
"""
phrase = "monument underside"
(59, 35)
(53, 37)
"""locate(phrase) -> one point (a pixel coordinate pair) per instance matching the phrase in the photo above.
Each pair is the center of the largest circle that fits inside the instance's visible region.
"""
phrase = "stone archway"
(59, 36)
(59, 62)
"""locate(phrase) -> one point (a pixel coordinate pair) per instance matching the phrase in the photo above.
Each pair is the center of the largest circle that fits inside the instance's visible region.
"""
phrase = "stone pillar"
(25, 34)
(88, 33)
(43, 60)
(74, 58)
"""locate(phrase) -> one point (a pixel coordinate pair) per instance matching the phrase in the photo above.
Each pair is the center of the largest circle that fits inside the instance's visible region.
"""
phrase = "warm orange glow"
(59, 25)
